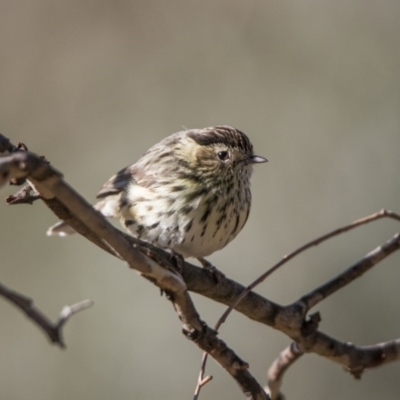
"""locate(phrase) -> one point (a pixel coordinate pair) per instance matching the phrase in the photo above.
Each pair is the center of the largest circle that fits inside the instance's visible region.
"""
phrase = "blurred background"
(92, 84)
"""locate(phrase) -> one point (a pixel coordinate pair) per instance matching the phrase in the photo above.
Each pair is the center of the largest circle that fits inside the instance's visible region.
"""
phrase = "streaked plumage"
(190, 192)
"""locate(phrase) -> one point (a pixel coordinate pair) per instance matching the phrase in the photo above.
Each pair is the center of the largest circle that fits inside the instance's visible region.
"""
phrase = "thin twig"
(355, 271)
(278, 368)
(50, 185)
(201, 380)
(52, 330)
(362, 221)
(373, 217)
(26, 195)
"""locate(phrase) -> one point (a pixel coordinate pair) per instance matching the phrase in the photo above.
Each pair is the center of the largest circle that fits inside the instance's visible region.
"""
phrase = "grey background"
(92, 85)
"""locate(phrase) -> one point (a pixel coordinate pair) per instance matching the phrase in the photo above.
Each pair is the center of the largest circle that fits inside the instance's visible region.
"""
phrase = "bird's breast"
(194, 222)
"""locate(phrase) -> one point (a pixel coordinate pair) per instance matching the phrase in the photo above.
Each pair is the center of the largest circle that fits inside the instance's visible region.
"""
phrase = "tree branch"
(355, 271)
(26, 195)
(278, 368)
(176, 277)
(52, 330)
(54, 190)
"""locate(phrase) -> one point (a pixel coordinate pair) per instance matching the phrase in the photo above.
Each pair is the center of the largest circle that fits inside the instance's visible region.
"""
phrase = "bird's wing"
(145, 172)
(117, 183)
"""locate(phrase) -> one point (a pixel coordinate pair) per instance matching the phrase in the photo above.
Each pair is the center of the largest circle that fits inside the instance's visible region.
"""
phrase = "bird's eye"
(223, 155)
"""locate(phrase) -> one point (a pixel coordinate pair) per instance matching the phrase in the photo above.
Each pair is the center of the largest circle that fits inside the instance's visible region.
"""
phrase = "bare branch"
(355, 271)
(26, 195)
(58, 194)
(292, 317)
(52, 330)
(278, 368)
(356, 360)
(202, 380)
(6, 147)
(315, 242)
(176, 277)
(238, 369)
(68, 311)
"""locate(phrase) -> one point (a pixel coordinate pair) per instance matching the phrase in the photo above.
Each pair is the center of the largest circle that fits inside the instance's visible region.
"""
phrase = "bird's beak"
(257, 159)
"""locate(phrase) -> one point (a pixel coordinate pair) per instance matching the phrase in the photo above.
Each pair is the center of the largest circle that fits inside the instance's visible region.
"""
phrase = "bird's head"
(219, 150)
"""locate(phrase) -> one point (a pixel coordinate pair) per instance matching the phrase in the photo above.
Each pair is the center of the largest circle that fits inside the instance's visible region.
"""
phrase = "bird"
(189, 193)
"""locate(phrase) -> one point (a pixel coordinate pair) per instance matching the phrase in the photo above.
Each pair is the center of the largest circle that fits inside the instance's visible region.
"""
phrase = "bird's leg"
(179, 260)
(218, 275)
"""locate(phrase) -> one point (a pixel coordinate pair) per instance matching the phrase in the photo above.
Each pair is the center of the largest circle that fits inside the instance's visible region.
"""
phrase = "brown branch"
(292, 318)
(238, 369)
(315, 242)
(201, 381)
(289, 319)
(52, 330)
(26, 195)
(355, 271)
(6, 147)
(278, 368)
(54, 190)
(355, 359)
(162, 268)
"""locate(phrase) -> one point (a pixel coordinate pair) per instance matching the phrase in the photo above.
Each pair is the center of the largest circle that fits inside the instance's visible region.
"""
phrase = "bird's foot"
(217, 274)
(178, 260)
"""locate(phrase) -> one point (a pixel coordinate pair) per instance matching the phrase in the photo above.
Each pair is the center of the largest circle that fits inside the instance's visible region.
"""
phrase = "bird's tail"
(109, 207)
(61, 228)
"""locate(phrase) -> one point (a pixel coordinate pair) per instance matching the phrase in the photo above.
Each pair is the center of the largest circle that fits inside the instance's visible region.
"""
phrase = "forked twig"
(52, 330)
(278, 368)
(157, 266)
(26, 195)
(201, 380)
(362, 221)
(55, 192)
